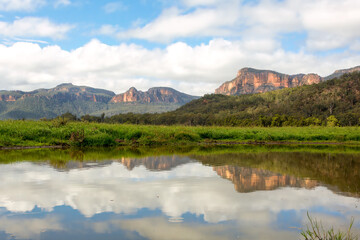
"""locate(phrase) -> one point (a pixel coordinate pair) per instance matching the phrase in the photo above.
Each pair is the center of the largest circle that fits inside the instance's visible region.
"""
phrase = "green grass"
(37, 133)
(316, 231)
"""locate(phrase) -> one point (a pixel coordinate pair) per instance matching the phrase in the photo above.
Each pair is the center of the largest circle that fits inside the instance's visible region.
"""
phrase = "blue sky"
(190, 45)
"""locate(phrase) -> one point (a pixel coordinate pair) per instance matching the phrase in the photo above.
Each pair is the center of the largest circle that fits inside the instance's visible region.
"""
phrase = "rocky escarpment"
(250, 179)
(153, 95)
(249, 80)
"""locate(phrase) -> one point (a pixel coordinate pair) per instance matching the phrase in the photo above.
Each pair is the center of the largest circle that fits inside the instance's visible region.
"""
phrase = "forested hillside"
(334, 102)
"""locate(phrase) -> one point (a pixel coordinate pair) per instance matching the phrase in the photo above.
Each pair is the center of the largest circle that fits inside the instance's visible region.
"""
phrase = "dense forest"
(335, 102)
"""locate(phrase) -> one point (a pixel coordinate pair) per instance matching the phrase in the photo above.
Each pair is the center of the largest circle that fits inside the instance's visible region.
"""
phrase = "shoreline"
(252, 143)
(39, 134)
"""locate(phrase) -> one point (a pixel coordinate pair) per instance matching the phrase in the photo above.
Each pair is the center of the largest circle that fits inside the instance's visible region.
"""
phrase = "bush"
(332, 121)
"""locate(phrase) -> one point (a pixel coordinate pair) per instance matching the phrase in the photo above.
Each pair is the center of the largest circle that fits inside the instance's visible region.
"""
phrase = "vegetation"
(60, 131)
(316, 231)
(335, 102)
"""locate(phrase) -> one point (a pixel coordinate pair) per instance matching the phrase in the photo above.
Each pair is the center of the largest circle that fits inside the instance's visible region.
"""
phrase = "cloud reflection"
(189, 188)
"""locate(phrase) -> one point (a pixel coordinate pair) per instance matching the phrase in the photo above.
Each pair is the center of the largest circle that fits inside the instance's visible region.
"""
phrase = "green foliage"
(332, 121)
(316, 231)
(34, 133)
(186, 136)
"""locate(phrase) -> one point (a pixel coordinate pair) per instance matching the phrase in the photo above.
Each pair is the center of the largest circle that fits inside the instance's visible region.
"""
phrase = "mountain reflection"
(161, 163)
(251, 179)
(119, 197)
(155, 163)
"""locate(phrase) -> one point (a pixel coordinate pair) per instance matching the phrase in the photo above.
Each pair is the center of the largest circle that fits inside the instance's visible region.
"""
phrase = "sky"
(191, 45)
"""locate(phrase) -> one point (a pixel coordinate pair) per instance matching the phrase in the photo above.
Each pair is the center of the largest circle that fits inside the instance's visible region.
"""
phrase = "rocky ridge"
(153, 95)
(250, 80)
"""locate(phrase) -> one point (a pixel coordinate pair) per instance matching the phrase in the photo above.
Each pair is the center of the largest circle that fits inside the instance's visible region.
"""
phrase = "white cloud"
(328, 24)
(29, 228)
(106, 30)
(34, 27)
(172, 24)
(21, 5)
(112, 7)
(59, 3)
(196, 3)
(195, 70)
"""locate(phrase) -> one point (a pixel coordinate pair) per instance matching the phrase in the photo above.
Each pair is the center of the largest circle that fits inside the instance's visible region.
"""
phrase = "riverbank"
(18, 133)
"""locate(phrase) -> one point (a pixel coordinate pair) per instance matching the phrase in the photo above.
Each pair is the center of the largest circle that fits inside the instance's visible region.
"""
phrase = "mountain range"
(83, 100)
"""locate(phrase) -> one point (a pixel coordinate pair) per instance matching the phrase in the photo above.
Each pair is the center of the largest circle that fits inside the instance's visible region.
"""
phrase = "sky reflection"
(187, 201)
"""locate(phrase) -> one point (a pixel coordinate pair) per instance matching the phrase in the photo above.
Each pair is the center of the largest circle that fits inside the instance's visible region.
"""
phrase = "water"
(191, 194)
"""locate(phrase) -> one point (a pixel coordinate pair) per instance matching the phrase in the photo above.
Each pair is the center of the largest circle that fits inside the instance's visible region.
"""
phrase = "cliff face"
(249, 80)
(250, 179)
(8, 98)
(153, 95)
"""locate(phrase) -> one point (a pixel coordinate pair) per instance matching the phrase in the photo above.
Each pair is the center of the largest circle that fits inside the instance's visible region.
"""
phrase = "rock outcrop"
(153, 95)
(249, 80)
(8, 98)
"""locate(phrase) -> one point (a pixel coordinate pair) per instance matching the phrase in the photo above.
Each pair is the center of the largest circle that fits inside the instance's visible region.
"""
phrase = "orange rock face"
(153, 95)
(7, 98)
(250, 80)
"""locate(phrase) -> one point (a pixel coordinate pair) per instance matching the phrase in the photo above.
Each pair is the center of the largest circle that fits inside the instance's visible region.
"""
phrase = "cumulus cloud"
(34, 27)
(195, 70)
(173, 23)
(328, 24)
(21, 5)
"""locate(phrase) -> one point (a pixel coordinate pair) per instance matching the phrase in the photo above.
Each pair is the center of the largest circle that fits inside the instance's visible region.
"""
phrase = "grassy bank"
(52, 133)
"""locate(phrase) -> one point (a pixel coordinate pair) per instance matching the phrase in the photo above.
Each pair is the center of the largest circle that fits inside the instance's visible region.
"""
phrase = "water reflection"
(251, 179)
(174, 197)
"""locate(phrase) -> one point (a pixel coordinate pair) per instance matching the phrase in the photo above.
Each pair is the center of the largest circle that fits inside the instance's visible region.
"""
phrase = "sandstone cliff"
(153, 95)
(249, 80)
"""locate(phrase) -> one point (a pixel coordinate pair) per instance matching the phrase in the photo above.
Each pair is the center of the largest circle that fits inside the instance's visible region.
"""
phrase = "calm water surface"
(66, 194)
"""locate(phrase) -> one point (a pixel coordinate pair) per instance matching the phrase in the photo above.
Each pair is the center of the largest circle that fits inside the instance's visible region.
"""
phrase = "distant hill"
(153, 95)
(298, 106)
(83, 100)
(339, 73)
(250, 80)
